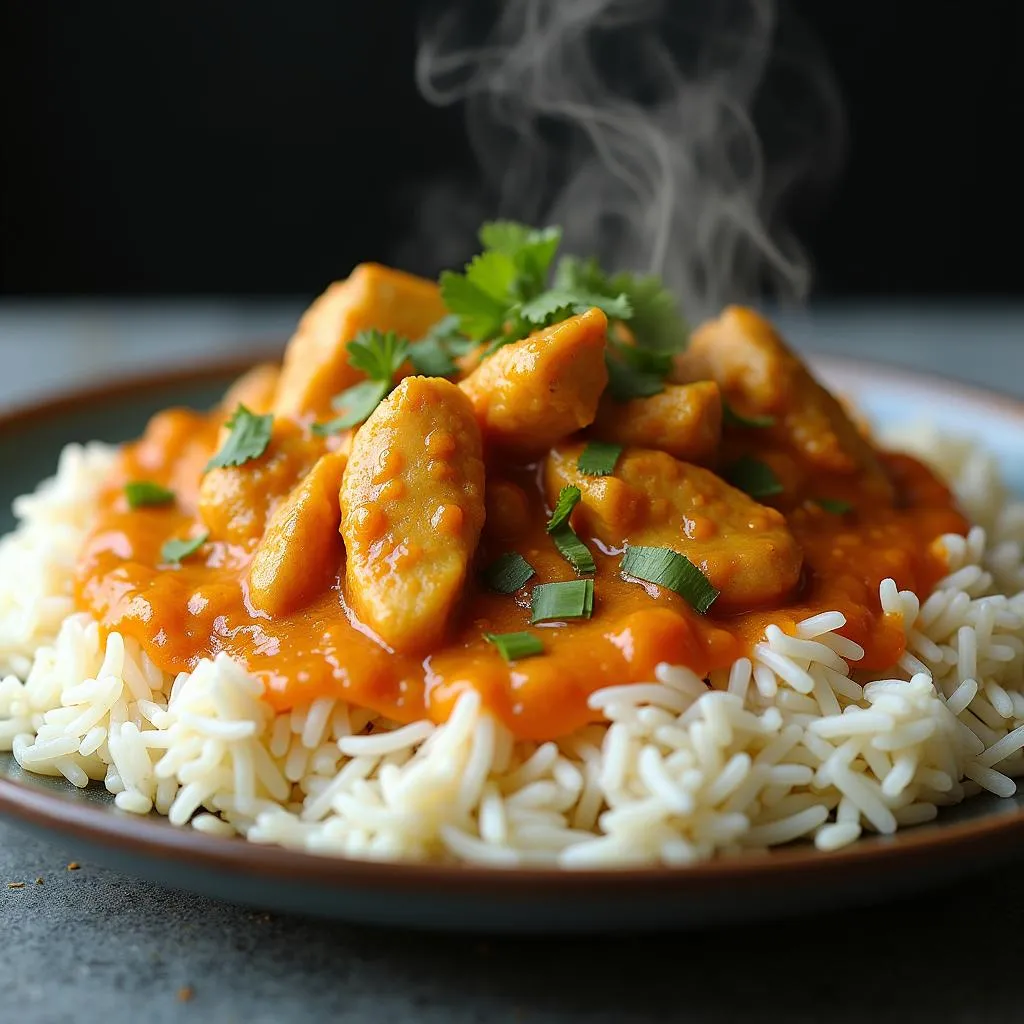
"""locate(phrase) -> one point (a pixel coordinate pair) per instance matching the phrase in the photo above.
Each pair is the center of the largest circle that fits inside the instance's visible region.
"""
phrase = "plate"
(797, 879)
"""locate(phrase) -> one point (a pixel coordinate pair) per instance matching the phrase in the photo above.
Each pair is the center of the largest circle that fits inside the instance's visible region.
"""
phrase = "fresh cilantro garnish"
(635, 372)
(435, 353)
(249, 437)
(355, 406)
(175, 551)
(598, 458)
(380, 356)
(655, 321)
(509, 290)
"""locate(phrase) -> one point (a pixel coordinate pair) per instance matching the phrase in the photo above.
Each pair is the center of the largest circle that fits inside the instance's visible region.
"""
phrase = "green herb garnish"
(668, 568)
(753, 477)
(141, 493)
(635, 372)
(731, 418)
(509, 573)
(356, 404)
(568, 499)
(655, 320)
(554, 602)
(249, 437)
(598, 458)
(570, 547)
(380, 355)
(175, 551)
(513, 646)
(833, 505)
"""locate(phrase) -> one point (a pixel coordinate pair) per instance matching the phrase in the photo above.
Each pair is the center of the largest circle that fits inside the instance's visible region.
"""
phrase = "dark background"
(255, 148)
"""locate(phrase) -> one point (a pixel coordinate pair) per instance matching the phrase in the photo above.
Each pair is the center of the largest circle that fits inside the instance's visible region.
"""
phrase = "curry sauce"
(349, 565)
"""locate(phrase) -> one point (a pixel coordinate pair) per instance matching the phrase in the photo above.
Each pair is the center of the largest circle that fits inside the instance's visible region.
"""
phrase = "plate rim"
(154, 838)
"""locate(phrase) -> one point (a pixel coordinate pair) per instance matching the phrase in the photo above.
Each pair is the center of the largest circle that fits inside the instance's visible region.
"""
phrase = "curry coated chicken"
(550, 514)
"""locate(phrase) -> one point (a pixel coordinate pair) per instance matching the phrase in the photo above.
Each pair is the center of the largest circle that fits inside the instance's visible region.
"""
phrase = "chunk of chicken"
(744, 548)
(316, 365)
(301, 551)
(758, 374)
(685, 420)
(255, 389)
(534, 392)
(235, 501)
(412, 507)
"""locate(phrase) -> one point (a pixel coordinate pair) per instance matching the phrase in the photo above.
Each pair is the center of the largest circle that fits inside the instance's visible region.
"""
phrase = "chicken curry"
(533, 513)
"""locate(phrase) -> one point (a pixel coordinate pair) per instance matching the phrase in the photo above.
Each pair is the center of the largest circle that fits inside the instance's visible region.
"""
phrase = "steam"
(629, 122)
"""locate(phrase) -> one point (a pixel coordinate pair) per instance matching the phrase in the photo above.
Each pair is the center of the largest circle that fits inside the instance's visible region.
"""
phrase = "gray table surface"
(93, 945)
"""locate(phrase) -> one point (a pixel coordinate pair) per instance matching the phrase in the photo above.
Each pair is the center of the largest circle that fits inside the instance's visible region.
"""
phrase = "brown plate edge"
(154, 837)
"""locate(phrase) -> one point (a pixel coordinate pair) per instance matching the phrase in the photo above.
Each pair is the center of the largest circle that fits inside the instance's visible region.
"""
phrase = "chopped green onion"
(513, 646)
(553, 602)
(598, 459)
(508, 573)
(668, 568)
(732, 418)
(572, 549)
(833, 505)
(144, 492)
(174, 551)
(357, 403)
(249, 437)
(568, 498)
(753, 477)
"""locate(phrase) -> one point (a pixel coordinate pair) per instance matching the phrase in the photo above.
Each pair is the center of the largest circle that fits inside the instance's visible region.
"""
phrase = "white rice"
(789, 745)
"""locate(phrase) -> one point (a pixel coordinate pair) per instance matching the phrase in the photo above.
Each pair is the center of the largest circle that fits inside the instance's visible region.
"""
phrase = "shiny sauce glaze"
(183, 613)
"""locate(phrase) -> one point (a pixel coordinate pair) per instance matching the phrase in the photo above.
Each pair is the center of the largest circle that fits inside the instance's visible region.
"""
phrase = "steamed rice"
(790, 744)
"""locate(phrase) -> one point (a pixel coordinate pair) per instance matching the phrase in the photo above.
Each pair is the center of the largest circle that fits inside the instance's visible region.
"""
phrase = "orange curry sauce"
(180, 614)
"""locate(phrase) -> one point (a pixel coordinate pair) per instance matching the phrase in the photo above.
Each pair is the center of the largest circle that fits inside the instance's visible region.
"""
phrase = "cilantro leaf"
(494, 273)
(249, 437)
(635, 372)
(378, 354)
(531, 250)
(556, 304)
(355, 405)
(655, 319)
(481, 315)
(175, 551)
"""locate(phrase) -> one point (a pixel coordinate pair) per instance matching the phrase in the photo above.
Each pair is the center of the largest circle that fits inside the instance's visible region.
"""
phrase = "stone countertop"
(92, 945)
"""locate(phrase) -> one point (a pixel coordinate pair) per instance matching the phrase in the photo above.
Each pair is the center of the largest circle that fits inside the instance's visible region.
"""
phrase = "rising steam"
(629, 122)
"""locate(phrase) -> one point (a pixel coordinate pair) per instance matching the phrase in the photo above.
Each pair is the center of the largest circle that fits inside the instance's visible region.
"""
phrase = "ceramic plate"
(793, 880)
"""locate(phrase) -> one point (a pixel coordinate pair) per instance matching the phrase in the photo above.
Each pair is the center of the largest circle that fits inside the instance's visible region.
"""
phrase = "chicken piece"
(301, 551)
(685, 420)
(255, 389)
(744, 548)
(316, 366)
(759, 375)
(412, 507)
(534, 392)
(235, 501)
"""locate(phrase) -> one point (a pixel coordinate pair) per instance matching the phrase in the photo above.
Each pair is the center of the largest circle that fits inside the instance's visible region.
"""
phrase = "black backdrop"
(203, 147)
